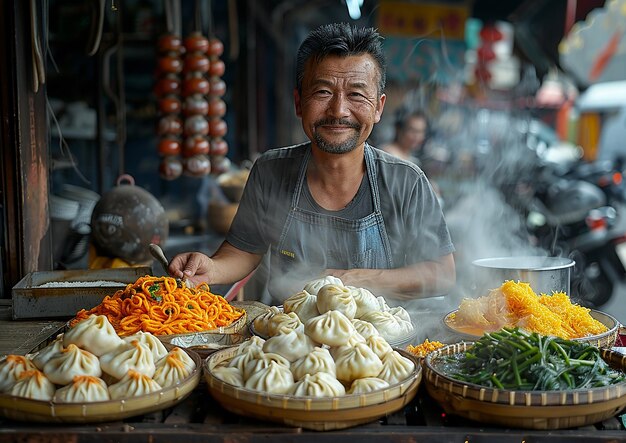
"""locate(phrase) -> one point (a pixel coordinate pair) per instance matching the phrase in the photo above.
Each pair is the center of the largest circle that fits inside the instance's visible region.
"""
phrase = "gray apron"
(311, 242)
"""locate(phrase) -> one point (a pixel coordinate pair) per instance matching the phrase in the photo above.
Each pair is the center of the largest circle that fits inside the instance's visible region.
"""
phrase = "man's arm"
(227, 265)
(419, 280)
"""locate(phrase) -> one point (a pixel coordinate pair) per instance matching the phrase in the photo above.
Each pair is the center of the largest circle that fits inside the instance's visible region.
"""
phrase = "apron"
(311, 242)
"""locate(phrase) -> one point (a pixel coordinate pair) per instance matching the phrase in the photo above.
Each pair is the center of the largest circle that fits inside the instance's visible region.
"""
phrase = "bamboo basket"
(524, 409)
(605, 340)
(25, 409)
(315, 413)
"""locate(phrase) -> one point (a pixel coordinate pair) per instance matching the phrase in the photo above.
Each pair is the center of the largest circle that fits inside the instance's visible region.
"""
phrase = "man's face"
(339, 104)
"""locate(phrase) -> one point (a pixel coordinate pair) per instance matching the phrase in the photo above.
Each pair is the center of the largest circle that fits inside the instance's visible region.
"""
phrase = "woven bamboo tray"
(319, 414)
(24, 409)
(605, 340)
(524, 409)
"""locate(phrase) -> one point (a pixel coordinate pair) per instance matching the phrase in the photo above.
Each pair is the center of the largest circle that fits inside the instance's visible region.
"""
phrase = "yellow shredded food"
(424, 348)
(516, 304)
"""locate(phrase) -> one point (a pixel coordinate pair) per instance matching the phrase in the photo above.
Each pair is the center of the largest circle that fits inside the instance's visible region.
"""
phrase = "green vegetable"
(514, 359)
(152, 290)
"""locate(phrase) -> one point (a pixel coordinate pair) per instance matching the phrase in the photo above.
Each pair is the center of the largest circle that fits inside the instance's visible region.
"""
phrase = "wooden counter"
(200, 419)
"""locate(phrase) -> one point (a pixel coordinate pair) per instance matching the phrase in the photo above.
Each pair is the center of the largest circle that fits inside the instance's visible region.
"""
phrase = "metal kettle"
(126, 220)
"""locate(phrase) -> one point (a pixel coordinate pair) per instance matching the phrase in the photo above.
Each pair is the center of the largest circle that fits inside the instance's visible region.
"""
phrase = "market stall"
(257, 376)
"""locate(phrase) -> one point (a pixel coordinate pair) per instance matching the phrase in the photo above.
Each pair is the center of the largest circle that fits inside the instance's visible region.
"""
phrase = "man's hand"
(193, 266)
(420, 280)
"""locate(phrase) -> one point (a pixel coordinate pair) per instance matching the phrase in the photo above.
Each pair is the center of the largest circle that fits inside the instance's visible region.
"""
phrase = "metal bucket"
(544, 274)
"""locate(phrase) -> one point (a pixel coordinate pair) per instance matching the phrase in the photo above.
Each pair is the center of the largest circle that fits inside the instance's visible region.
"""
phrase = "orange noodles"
(515, 304)
(158, 306)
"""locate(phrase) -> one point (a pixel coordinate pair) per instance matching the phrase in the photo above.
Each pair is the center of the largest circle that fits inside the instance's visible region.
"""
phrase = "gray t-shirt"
(413, 218)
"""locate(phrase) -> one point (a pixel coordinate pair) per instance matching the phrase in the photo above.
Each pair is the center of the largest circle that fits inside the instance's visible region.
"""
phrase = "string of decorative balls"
(190, 90)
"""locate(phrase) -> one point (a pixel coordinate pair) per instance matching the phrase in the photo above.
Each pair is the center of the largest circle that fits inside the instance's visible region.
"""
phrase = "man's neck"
(334, 179)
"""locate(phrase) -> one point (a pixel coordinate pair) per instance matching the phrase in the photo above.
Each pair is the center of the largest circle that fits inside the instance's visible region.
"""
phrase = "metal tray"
(604, 340)
(30, 300)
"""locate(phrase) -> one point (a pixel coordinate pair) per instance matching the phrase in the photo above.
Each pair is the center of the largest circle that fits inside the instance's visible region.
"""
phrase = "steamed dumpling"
(11, 368)
(154, 344)
(379, 345)
(94, 334)
(314, 286)
(292, 345)
(331, 328)
(318, 360)
(254, 342)
(389, 326)
(243, 357)
(71, 361)
(320, 384)
(358, 361)
(365, 301)
(262, 361)
(33, 384)
(133, 355)
(400, 313)
(230, 375)
(83, 389)
(367, 384)
(133, 384)
(283, 321)
(382, 303)
(303, 304)
(274, 379)
(262, 321)
(364, 328)
(173, 368)
(338, 298)
(42, 357)
(395, 367)
(354, 339)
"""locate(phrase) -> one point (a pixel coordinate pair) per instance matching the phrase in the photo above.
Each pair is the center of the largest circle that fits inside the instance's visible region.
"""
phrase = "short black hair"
(343, 40)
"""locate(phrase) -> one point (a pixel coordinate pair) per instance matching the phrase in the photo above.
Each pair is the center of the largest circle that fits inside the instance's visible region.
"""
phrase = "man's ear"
(380, 107)
(296, 100)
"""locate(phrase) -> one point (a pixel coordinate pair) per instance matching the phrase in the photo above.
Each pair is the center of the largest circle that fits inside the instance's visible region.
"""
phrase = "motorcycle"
(576, 213)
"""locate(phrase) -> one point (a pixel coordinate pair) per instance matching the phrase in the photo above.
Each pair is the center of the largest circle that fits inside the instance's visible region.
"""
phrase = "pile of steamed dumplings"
(74, 367)
(327, 342)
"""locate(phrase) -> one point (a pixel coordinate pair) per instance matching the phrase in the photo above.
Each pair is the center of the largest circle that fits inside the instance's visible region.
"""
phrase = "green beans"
(518, 360)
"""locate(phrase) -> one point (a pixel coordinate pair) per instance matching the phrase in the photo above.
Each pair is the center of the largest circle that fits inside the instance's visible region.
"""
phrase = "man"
(335, 205)
(410, 135)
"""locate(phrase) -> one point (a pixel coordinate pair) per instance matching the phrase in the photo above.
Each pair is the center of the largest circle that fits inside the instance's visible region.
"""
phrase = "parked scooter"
(571, 215)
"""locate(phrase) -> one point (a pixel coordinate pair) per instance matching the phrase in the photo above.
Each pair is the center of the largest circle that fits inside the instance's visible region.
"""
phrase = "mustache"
(337, 122)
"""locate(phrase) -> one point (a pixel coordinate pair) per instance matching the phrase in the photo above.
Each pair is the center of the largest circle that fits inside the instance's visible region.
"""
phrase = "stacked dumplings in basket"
(90, 362)
(317, 347)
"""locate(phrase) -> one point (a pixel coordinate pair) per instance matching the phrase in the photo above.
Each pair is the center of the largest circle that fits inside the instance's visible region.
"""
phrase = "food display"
(514, 359)
(293, 363)
(527, 380)
(515, 304)
(424, 348)
(159, 306)
(66, 372)
(331, 312)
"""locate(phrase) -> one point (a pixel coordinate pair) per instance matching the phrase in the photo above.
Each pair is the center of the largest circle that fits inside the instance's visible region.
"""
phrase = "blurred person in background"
(411, 132)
